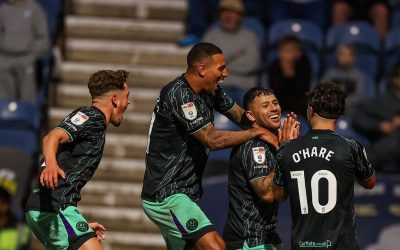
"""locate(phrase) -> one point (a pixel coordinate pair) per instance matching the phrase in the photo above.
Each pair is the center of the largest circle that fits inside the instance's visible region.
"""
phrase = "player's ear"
(250, 116)
(201, 69)
(114, 100)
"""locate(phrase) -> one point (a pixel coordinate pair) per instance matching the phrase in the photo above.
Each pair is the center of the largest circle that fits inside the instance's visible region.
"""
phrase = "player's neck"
(107, 111)
(194, 82)
(323, 123)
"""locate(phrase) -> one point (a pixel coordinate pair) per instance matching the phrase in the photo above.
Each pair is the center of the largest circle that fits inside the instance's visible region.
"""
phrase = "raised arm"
(263, 187)
(51, 142)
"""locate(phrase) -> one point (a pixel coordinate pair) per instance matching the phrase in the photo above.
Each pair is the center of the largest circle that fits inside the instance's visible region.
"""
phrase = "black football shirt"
(175, 160)
(318, 172)
(249, 218)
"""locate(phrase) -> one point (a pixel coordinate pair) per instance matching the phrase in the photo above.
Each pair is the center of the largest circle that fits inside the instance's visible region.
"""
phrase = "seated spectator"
(347, 76)
(24, 39)
(240, 45)
(341, 12)
(290, 76)
(379, 119)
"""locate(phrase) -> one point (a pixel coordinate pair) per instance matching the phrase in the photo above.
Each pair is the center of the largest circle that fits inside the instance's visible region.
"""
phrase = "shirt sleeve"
(74, 123)
(257, 162)
(190, 110)
(222, 103)
(362, 167)
(278, 178)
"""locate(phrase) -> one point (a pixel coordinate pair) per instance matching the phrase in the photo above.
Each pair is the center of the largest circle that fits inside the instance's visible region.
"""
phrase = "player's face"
(266, 111)
(215, 73)
(122, 103)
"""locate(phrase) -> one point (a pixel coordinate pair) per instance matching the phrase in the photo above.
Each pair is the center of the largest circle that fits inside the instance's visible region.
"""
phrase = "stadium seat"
(365, 40)
(392, 50)
(344, 128)
(370, 86)
(25, 140)
(257, 27)
(19, 114)
(307, 32)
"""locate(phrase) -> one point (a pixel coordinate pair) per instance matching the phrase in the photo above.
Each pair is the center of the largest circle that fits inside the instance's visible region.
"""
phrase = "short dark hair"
(200, 52)
(289, 39)
(252, 93)
(327, 100)
(5, 196)
(104, 81)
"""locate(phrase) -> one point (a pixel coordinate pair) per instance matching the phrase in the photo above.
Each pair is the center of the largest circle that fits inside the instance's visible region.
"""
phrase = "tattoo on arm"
(263, 187)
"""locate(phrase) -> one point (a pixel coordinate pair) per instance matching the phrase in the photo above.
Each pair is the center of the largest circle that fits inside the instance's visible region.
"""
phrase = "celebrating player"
(180, 137)
(317, 172)
(73, 151)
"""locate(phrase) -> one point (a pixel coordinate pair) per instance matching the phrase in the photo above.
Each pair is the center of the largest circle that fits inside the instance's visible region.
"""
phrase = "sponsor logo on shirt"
(79, 118)
(312, 244)
(189, 110)
(259, 154)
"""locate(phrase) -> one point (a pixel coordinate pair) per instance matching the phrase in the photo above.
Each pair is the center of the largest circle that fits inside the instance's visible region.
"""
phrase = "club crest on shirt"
(259, 154)
(189, 110)
(79, 118)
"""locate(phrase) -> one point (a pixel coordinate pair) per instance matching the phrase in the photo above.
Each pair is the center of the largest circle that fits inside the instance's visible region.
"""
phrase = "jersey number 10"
(301, 185)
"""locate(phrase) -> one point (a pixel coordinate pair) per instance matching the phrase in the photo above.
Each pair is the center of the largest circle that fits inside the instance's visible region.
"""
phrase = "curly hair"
(327, 100)
(252, 93)
(104, 81)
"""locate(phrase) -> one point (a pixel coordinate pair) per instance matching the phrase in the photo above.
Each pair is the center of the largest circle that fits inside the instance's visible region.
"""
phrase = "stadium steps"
(138, 36)
(123, 29)
(125, 52)
(153, 9)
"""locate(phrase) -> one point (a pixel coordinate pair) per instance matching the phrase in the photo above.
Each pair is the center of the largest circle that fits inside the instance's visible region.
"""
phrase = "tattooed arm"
(263, 187)
(215, 139)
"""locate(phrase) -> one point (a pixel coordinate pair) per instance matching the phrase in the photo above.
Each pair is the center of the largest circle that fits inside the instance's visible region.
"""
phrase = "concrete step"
(140, 75)
(123, 29)
(149, 9)
(120, 169)
(120, 219)
(109, 193)
(134, 122)
(125, 52)
(141, 99)
(125, 145)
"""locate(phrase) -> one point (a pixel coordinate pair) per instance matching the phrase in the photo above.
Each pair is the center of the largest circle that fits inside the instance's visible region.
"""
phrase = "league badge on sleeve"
(189, 110)
(79, 118)
(259, 154)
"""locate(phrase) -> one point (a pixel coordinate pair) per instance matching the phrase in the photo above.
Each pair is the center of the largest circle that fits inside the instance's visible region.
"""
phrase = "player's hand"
(289, 130)
(269, 137)
(49, 176)
(99, 230)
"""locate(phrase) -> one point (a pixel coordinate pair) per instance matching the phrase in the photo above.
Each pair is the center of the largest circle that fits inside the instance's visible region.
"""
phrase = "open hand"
(49, 176)
(99, 230)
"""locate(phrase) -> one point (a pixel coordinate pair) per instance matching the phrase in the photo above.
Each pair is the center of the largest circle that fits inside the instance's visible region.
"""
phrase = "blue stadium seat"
(307, 32)
(257, 27)
(370, 86)
(25, 140)
(365, 40)
(344, 128)
(392, 50)
(19, 114)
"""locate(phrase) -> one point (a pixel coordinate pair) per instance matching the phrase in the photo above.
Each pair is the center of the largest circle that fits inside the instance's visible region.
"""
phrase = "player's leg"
(182, 223)
(211, 240)
(91, 244)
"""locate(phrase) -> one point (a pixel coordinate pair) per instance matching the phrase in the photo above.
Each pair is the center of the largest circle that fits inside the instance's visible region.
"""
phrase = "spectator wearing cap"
(240, 45)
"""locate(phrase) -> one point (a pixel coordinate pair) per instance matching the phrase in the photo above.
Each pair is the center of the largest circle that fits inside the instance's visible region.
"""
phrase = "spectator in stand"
(347, 76)
(202, 13)
(341, 12)
(240, 45)
(290, 76)
(23, 39)
(379, 119)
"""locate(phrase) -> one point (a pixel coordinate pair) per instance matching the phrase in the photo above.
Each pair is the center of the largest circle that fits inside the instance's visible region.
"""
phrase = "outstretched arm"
(51, 143)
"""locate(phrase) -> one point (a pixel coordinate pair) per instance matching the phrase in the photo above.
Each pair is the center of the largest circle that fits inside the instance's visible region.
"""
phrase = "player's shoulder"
(85, 114)
(177, 91)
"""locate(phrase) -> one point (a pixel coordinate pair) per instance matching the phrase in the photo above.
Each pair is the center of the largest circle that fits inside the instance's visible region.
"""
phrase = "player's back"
(318, 171)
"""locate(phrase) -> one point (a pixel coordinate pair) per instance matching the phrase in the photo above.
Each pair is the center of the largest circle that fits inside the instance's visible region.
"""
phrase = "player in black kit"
(317, 171)
(73, 151)
(252, 215)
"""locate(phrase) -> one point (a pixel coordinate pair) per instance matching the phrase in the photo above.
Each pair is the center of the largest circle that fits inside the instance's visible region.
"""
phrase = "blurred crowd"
(291, 45)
